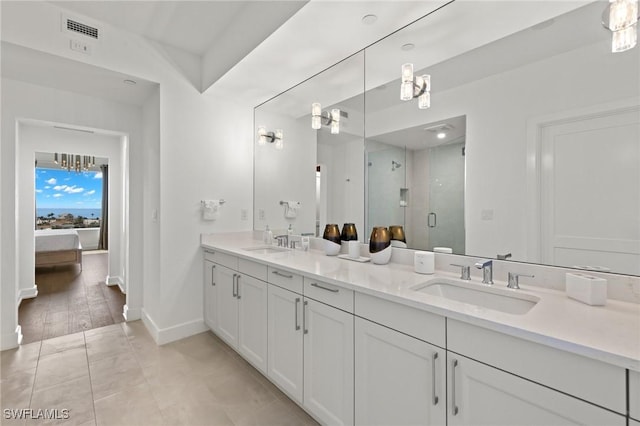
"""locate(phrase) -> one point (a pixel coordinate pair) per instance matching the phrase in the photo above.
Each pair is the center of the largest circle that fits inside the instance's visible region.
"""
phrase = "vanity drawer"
(585, 378)
(285, 279)
(220, 258)
(255, 269)
(405, 319)
(330, 294)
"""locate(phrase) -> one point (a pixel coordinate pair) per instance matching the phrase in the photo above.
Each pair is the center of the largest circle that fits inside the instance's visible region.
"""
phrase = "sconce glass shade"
(316, 115)
(262, 135)
(279, 137)
(424, 100)
(406, 88)
(624, 39)
(426, 82)
(622, 14)
(335, 121)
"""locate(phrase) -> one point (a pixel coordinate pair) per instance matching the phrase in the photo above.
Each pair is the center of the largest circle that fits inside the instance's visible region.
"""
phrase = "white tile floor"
(117, 375)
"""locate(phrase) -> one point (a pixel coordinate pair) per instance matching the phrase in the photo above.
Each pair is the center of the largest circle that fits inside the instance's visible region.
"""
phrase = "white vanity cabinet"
(400, 379)
(311, 345)
(481, 394)
(634, 396)
(497, 379)
(236, 305)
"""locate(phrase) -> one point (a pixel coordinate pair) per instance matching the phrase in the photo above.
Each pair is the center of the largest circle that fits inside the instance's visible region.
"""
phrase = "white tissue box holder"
(586, 288)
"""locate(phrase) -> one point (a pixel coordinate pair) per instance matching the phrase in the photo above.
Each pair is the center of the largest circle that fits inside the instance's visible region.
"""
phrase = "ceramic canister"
(331, 238)
(397, 236)
(380, 245)
(349, 232)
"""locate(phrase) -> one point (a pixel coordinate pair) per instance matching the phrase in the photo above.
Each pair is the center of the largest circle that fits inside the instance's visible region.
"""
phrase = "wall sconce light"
(621, 18)
(276, 137)
(318, 118)
(415, 87)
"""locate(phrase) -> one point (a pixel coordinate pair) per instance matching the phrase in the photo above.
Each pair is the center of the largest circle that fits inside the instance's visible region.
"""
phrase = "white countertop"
(608, 333)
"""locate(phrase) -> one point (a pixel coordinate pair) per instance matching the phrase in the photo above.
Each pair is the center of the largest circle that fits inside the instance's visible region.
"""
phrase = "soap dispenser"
(290, 231)
(267, 236)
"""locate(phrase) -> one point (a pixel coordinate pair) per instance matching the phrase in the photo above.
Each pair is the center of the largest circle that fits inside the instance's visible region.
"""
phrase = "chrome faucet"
(487, 271)
(465, 271)
(513, 279)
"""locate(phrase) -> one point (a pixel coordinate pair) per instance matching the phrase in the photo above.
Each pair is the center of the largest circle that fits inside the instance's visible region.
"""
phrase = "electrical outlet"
(79, 46)
(261, 214)
(244, 214)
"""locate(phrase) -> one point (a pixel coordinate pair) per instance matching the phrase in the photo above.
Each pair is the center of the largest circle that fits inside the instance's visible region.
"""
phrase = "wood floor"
(70, 300)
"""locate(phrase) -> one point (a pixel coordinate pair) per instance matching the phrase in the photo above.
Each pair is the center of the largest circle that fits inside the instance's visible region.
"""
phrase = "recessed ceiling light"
(369, 19)
(130, 82)
(407, 46)
(441, 135)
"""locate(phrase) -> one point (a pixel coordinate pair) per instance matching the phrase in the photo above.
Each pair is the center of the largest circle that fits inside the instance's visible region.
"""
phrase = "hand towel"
(210, 209)
(291, 209)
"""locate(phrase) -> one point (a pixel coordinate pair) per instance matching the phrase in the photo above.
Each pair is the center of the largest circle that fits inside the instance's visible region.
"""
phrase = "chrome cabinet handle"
(296, 312)
(238, 286)
(435, 220)
(233, 287)
(213, 267)
(332, 290)
(433, 378)
(282, 275)
(454, 407)
(304, 317)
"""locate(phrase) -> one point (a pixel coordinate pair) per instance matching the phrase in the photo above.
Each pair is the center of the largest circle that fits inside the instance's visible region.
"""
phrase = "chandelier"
(78, 163)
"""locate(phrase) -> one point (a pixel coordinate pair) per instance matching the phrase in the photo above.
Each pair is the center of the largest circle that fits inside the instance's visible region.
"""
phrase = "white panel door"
(285, 340)
(590, 186)
(483, 395)
(400, 380)
(210, 294)
(252, 320)
(226, 308)
(328, 363)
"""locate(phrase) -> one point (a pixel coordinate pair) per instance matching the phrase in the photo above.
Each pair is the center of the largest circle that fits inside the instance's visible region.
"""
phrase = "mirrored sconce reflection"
(276, 137)
(415, 87)
(318, 118)
(621, 18)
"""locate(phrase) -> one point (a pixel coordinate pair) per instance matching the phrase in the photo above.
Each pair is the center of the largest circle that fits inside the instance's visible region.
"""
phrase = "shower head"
(395, 165)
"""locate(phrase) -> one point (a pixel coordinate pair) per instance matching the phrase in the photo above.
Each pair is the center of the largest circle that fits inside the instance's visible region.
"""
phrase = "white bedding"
(57, 239)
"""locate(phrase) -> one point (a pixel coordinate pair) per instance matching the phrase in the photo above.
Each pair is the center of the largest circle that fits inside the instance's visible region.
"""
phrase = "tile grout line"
(93, 401)
(35, 375)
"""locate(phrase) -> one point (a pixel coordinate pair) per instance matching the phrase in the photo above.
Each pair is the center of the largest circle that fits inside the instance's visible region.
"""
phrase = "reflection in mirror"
(427, 197)
(320, 165)
(552, 130)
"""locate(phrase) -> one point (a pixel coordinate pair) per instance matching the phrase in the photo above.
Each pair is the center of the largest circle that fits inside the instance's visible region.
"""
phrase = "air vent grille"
(81, 28)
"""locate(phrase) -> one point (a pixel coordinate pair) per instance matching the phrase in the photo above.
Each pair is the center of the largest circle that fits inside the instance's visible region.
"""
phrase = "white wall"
(198, 148)
(498, 109)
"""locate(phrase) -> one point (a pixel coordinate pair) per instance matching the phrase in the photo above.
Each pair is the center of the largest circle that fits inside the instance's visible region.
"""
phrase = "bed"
(56, 247)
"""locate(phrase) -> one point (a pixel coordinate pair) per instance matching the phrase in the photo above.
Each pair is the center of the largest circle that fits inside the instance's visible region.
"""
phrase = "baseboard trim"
(130, 314)
(111, 281)
(163, 336)
(11, 340)
(27, 293)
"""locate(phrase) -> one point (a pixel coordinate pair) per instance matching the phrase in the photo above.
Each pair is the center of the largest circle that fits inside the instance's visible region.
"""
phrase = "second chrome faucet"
(487, 270)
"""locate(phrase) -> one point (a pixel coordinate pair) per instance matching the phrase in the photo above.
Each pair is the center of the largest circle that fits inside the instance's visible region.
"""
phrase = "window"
(68, 199)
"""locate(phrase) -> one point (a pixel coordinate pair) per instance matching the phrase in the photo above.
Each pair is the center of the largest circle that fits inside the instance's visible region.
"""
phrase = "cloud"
(58, 195)
(52, 181)
(47, 187)
(38, 190)
(93, 191)
(73, 189)
(79, 202)
(98, 175)
(59, 187)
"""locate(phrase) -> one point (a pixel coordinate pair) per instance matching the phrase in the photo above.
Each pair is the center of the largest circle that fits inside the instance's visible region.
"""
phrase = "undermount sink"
(497, 299)
(266, 249)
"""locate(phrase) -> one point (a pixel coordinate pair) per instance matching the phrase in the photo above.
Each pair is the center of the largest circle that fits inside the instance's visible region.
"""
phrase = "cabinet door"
(400, 380)
(252, 320)
(210, 294)
(328, 363)
(226, 307)
(483, 395)
(634, 395)
(285, 340)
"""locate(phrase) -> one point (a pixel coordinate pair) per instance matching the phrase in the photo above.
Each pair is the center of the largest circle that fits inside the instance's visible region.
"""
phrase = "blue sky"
(63, 189)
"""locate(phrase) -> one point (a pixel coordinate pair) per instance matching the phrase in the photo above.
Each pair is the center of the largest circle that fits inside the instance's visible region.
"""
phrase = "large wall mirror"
(531, 144)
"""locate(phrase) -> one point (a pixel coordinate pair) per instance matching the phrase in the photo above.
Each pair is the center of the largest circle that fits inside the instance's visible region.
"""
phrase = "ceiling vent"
(77, 27)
